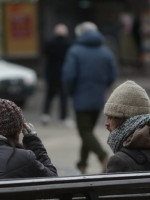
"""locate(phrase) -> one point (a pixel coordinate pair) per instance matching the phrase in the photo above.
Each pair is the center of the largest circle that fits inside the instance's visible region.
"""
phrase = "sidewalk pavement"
(63, 146)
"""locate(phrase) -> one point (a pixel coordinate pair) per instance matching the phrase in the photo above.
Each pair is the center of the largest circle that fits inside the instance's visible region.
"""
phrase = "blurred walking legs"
(49, 96)
(51, 92)
(86, 121)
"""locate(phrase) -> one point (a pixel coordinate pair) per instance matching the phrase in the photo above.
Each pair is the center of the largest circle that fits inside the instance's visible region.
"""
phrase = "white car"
(17, 82)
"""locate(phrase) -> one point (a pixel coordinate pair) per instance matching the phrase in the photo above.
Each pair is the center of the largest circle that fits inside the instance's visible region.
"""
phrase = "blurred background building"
(25, 26)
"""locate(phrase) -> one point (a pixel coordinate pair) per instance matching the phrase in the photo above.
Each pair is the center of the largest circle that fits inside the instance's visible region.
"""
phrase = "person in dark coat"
(89, 70)
(25, 160)
(128, 120)
(55, 51)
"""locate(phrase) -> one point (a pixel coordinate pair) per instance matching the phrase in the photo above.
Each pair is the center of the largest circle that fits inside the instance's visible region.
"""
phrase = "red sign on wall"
(21, 29)
(21, 26)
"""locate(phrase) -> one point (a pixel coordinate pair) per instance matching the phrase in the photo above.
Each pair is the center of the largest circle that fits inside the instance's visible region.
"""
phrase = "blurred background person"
(137, 33)
(55, 51)
(129, 40)
(89, 70)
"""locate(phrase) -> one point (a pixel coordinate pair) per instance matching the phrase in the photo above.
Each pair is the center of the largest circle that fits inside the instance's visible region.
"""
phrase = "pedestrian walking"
(25, 160)
(89, 70)
(128, 121)
(55, 51)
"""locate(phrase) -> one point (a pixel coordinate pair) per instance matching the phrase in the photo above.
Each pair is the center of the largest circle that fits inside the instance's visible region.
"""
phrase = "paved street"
(63, 147)
(62, 142)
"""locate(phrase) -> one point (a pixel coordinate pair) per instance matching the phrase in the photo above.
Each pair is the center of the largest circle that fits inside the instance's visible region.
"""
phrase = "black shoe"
(81, 168)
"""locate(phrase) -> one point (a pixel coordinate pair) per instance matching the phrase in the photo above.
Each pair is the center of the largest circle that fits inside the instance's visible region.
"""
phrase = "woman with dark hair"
(128, 121)
(28, 159)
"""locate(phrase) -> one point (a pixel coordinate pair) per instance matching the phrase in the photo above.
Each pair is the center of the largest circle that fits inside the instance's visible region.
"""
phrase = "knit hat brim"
(126, 111)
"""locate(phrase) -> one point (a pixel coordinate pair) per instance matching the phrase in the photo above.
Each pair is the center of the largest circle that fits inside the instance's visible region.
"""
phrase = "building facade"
(25, 25)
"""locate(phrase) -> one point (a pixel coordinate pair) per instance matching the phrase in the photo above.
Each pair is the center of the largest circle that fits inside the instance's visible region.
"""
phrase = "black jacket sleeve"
(117, 163)
(40, 159)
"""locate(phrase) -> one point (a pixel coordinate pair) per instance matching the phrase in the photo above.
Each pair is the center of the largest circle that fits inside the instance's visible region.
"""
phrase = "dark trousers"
(51, 92)
(86, 122)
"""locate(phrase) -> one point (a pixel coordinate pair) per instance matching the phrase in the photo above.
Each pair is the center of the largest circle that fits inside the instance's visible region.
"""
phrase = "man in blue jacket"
(89, 70)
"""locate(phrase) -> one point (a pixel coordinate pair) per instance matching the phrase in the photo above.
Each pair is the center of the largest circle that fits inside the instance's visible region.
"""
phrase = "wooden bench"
(123, 186)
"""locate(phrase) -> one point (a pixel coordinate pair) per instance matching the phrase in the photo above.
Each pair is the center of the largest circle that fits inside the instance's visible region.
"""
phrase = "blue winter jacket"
(89, 69)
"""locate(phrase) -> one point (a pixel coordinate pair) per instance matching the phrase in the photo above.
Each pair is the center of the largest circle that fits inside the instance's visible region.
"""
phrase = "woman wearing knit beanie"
(17, 160)
(128, 120)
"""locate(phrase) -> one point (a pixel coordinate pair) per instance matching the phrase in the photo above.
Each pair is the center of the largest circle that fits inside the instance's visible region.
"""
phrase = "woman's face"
(111, 123)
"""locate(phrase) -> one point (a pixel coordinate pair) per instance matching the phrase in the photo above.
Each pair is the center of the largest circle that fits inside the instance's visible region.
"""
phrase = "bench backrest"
(124, 186)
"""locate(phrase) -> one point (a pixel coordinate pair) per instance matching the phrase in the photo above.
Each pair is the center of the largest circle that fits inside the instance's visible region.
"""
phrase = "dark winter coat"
(137, 145)
(23, 163)
(55, 51)
(89, 69)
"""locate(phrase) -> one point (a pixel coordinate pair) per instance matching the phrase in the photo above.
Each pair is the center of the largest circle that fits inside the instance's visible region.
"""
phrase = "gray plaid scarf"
(119, 135)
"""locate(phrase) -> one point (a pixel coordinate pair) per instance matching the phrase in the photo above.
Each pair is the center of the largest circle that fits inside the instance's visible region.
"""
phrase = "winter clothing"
(16, 161)
(11, 118)
(89, 69)
(130, 141)
(119, 136)
(28, 128)
(23, 163)
(136, 144)
(127, 100)
(55, 51)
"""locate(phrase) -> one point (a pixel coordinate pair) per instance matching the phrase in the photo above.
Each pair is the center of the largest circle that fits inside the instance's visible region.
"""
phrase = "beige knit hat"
(127, 100)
